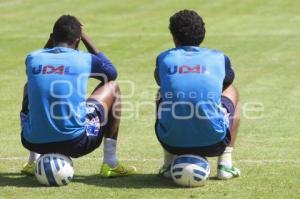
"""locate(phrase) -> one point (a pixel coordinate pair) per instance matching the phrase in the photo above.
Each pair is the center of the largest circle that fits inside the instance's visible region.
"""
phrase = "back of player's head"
(66, 29)
(187, 27)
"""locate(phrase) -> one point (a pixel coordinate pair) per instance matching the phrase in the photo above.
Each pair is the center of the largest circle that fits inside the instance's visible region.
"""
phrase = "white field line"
(247, 161)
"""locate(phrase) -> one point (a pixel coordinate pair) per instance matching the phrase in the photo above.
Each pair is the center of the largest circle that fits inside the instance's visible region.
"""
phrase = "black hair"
(187, 27)
(66, 29)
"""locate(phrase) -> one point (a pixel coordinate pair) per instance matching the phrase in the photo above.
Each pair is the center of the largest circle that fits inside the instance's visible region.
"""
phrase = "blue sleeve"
(101, 64)
(229, 73)
(25, 100)
(27, 60)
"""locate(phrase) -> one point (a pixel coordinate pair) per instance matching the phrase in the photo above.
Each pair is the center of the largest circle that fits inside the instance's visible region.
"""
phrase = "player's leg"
(231, 104)
(29, 167)
(165, 169)
(108, 96)
(168, 157)
(232, 93)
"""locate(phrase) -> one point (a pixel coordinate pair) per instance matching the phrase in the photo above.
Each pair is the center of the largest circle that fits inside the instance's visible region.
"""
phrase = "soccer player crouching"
(197, 105)
(56, 117)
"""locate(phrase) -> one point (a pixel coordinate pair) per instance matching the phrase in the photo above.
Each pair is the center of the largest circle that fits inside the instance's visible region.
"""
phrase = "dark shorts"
(82, 145)
(207, 151)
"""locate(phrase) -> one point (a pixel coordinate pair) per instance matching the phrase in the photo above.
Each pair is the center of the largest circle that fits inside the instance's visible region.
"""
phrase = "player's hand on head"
(83, 34)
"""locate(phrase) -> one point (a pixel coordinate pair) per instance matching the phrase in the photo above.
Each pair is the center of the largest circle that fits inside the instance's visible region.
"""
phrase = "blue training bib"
(57, 87)
(191, 81)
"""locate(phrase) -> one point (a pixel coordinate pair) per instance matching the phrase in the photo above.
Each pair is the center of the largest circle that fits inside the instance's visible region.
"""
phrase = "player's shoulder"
(35, 52)
(83, 54)
(72, 52)
(221, 55)
(39, 52)
(216, 52)
(213, 51)
(166, 53)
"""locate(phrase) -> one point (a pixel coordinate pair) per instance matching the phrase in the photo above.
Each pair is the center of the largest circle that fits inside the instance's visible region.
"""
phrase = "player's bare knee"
(235, 93)
(115, 89)
(232, 93)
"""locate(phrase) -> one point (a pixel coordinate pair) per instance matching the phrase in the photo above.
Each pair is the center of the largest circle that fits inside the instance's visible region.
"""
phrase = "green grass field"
(262, 37)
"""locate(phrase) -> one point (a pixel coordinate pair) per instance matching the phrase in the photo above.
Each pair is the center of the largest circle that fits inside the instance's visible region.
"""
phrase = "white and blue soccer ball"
(190, 170)
(54, 169)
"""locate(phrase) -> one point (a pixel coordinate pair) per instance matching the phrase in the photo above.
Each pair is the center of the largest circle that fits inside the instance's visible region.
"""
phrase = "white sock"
(225, 159)
(109, 149)
(33, 157)
(168, 158)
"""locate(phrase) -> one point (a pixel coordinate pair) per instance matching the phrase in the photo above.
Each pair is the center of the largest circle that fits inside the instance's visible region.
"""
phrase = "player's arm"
(90, 46)
(156, 76)
(101, 65)
(102, 68)
(156, 73)
(25, 100)
(229, 73)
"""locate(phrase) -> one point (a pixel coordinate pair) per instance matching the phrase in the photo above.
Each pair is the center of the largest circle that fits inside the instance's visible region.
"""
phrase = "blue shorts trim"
(94, 118)
(82, 145)
(206, 151)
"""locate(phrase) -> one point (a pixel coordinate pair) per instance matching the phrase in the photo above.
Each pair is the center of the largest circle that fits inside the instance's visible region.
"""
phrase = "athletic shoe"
(119, 171)
(225, 173)
(165, 171)
(28, 169)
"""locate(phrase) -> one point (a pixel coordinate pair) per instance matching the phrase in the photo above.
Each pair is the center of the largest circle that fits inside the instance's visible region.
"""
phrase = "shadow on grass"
(138, 181)
(214, 178)
(17, 180)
